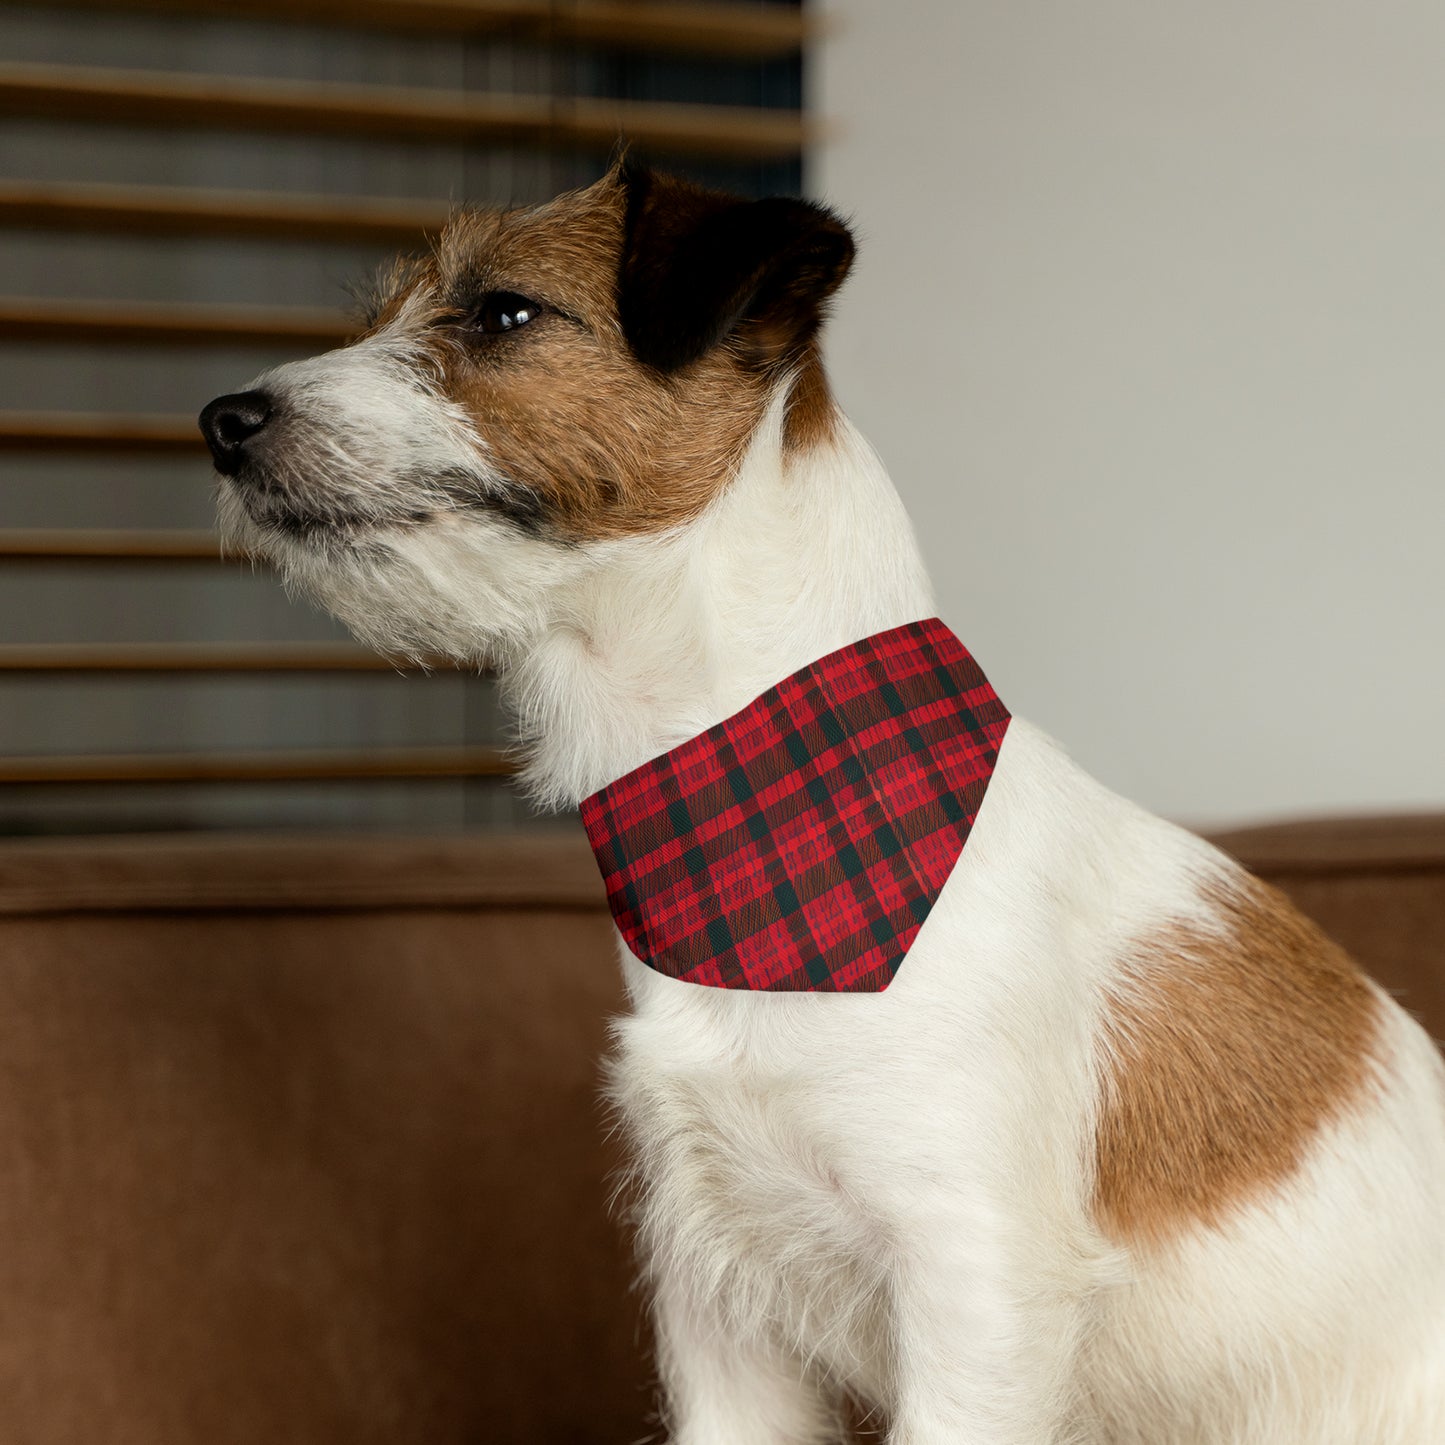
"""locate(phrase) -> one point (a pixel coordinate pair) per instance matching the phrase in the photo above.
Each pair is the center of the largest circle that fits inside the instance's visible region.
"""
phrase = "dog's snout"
(229, 422)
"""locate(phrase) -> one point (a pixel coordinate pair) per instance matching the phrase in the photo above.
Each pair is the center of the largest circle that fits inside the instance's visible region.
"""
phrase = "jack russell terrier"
(956, 1085)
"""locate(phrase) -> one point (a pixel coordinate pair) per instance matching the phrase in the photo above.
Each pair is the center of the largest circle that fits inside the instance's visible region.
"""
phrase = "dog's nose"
(229, 422)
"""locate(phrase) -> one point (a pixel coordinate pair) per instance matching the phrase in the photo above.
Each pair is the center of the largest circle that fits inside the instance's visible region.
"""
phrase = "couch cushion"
(303, 1143)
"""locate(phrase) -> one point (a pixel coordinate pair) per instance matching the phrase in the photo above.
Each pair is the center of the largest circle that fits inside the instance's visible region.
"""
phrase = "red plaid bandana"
(800, 844)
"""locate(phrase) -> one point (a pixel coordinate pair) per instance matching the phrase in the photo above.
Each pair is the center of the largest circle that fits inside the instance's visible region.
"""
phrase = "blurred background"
(1146, 322)
(187, 191)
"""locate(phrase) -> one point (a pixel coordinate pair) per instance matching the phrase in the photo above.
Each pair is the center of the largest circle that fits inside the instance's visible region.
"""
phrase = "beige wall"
(1149, 324)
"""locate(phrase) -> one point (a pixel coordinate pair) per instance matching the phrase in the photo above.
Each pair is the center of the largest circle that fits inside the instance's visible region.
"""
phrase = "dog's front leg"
(984, 1348)
(721, 1387)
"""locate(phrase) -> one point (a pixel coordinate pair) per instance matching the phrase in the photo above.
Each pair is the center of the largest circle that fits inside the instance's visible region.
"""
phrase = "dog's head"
(546, 383)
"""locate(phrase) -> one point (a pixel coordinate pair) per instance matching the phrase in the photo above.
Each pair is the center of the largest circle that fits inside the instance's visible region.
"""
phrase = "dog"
(1127, 1153)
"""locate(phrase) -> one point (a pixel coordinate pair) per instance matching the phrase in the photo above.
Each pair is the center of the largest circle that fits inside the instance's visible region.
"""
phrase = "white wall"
(1149, 323)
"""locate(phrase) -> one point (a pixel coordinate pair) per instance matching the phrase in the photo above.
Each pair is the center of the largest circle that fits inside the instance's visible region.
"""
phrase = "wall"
(1149, 323)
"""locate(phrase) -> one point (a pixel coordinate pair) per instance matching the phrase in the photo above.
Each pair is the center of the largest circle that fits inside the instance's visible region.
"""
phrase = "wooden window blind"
(185, 188)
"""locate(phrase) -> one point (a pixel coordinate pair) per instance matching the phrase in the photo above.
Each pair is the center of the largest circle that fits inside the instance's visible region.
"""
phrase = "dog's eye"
(504, 311)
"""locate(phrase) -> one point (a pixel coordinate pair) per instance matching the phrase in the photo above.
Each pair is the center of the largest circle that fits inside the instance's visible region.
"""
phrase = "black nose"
(229, 422)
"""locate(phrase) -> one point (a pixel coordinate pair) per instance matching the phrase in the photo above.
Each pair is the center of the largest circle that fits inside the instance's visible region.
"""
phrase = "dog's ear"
(699, 266)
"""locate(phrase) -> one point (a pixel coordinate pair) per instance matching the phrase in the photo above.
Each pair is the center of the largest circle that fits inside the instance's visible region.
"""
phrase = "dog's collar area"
(800, 844)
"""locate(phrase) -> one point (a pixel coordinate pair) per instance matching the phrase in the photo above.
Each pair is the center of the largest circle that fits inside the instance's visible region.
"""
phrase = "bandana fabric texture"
(800, 844)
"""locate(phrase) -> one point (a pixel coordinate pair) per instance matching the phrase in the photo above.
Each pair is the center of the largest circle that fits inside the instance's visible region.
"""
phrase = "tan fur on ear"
(1225, 1057)
(812, 416)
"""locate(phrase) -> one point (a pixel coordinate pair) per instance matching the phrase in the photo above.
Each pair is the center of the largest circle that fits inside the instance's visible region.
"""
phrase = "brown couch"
(301, 1140)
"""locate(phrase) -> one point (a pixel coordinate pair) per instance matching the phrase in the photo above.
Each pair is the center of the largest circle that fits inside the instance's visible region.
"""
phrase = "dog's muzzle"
(230, 422)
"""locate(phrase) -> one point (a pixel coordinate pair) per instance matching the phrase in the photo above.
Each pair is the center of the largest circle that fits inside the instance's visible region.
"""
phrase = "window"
(184, 196)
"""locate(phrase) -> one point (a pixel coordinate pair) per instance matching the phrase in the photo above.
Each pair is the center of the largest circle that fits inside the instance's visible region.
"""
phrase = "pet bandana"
(800, 844)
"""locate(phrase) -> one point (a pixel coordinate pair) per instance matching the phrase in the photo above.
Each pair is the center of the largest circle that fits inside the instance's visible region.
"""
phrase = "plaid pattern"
(800, 844)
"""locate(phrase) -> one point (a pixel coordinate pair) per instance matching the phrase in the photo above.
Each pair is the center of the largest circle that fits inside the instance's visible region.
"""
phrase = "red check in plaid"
(800, 844)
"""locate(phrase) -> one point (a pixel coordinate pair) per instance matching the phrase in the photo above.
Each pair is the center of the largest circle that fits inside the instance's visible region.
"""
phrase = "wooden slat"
(743, 31)
(551, 868)
(177, 211)
(259, 767)
(219, 102)
(168, 657)
(171, 323)
(75, 544)
(78, 431)
(712, 29)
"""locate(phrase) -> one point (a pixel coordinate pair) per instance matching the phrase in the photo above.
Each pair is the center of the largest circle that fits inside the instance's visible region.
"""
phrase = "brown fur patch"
(604, 445)
(1227, 1053)
(607, 445)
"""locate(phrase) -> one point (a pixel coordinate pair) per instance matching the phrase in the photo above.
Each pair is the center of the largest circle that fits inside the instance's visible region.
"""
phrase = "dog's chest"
(746, 1182)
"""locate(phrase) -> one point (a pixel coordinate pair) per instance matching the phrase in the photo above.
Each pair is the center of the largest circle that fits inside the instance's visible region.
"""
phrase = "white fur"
(890, 1194)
